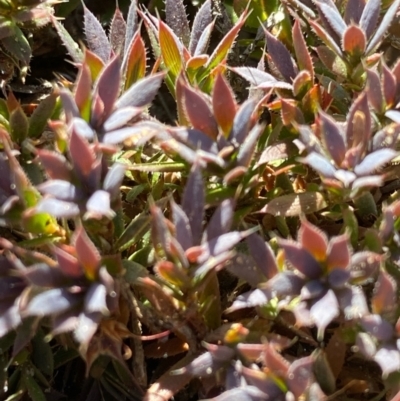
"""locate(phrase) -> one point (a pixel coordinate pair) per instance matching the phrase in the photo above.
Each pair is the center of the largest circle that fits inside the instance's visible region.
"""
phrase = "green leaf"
(34, 390)
(42, 354)
(42, 113)
(18, 125)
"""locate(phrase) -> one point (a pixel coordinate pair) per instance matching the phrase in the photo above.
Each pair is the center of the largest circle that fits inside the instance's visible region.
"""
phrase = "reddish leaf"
(358, 129)
(55, 164)
(224, 104)
(87, 254)
(300, 47)
(354, 41)
(389, 86)
(81, 153)
(326, 38)
(374, 91)
(67, 263)
(242, 122)
(384, 298)
(199, 112)
(313, 239)
(339, 252)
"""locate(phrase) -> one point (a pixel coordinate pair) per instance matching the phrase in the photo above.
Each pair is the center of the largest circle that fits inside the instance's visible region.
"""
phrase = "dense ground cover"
(199, 200)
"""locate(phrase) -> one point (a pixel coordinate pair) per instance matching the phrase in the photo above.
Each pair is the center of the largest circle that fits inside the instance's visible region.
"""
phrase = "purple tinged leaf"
(389, 86)
(10, 319)
(394, 115)
(383, 26)
(346, 177)
(120, 118)
(338, 278)
(246, 150)
(69, 105)
(249, 300)
(204, 40)
(354, 10)
(117, 32)
(374, 91)
(214, 263)
(67, 263)
(333, 18)
(381, 329)
(324, 311)
(374, 161)
(82, 128)
(95, 36)
(352, 302)
(388, 358)
(301, 259)
(385, 294)
(81, 153)
(108, 85)
(183, 231)
(242, 122)
(113, 179)
(202, 20)
(193, 202)
(195, 138)
(281, 57)
(333, 138)
(131, 24)
(311, 290)
(219, 245)
(359, 123)
(57, 208)
(262, 254)
(41, 275)
(55, 164)
(98, 205)
(95, 299)
(364, 267)
(320, 164)
(369, 17)
(141, 93)
(300, 375)
(221, 220)
(243, 267)
(176, 17)
(199, 112)
(51, 302)
(60, 189)
(313, 240)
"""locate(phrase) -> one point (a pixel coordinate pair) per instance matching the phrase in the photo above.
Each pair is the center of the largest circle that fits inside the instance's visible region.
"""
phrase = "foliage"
(247, 248)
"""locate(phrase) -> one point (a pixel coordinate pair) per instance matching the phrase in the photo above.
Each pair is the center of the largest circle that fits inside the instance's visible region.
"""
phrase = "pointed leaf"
(131, 24)
(175, 15)
(40, 116)
(280, 57)
(354, 10)
(87, 254)
(96, 36)
(221, 220)
(369, 17)
(375, 160)
(323, 311)
(134, 62)
(384, 297)
(81, 153)
(141, 93)
(193, 202)
(201, 21)
(302, 53)
(339, 252)
(313, 239)
(57, 208)
(320, 164)
(333, 18)
(183, 231)
(374, 91)
(224, 103)
(242, 122)
(117, 32)
(262, 254)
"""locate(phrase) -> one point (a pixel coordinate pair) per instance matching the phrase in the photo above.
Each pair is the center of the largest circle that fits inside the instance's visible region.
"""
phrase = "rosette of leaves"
(319, 282)
(77, 293)
(183, 49)
(83, 185)
(16, 18)
(183, 297)
(219, 133)
(350, 34)
(347, 156)
(379, 336)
